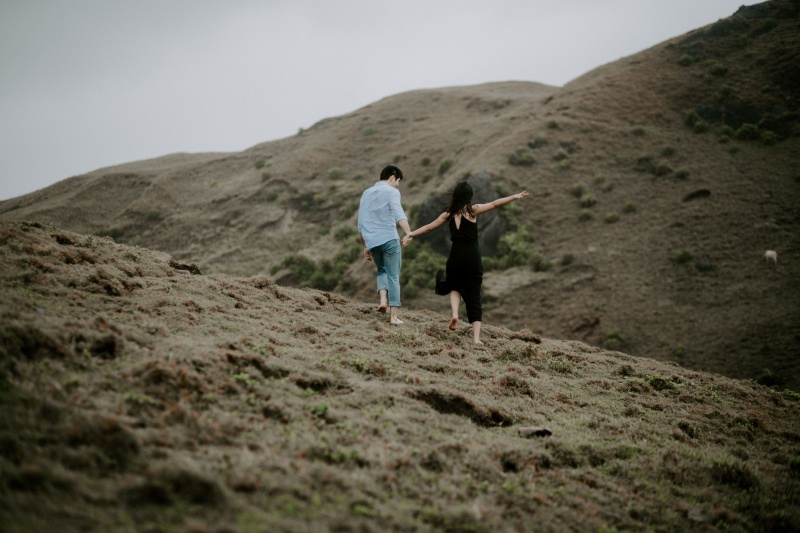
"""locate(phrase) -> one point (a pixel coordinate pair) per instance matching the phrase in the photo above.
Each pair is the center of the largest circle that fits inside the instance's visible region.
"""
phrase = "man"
(378, 215)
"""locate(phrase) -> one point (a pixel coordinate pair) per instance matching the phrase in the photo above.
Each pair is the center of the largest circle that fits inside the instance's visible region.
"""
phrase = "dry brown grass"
(137, 398)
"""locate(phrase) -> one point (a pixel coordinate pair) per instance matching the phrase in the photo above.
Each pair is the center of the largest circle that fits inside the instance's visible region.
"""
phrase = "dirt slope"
(136, 396)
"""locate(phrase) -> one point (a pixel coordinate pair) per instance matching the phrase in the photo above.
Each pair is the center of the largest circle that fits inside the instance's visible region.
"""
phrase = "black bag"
(442, 287)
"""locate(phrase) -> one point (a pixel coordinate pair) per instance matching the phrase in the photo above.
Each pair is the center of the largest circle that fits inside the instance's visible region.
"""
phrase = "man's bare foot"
(453, 323)
(396, 321)
(383, 307)
(479, 342)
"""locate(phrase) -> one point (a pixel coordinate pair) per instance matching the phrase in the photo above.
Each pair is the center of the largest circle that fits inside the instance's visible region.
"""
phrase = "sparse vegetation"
(444, 166)
(521, 157)
(588, 200)
(684, 257)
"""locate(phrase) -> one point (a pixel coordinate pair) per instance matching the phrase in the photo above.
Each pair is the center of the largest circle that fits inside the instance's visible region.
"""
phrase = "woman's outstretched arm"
(482, 208)
(441, 219)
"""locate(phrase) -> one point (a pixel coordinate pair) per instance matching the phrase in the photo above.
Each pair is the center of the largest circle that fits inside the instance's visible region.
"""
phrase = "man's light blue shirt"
(379, 213)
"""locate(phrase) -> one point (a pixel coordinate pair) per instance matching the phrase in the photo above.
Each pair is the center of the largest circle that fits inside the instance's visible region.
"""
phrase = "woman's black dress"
(464, 266)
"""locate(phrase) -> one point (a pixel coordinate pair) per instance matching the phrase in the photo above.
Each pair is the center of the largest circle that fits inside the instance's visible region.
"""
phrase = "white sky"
(86, 84)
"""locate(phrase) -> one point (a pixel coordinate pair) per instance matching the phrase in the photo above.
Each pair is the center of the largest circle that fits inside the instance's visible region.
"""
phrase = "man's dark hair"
(389, 171)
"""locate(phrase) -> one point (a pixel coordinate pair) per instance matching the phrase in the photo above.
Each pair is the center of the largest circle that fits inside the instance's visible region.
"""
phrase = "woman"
(464, 267)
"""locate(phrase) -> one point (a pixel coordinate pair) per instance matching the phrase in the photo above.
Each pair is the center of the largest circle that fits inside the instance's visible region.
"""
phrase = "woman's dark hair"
(462, 201)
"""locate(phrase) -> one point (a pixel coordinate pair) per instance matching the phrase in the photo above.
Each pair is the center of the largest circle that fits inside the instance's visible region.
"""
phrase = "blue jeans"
(387, 257)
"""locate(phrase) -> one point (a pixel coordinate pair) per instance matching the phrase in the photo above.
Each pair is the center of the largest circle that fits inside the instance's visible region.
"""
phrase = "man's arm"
(404, 224)
(367, 255)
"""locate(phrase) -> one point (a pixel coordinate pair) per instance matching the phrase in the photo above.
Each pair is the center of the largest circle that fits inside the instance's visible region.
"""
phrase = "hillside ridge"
(134, 392)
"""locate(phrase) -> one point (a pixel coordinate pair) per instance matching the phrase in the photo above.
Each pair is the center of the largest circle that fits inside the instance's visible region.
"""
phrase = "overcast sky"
(86, 84)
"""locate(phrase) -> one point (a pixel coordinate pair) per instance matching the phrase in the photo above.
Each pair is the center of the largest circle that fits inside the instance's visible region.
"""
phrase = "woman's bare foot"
(453, 323)
(479, 342)
(396, 321)
(383, 307)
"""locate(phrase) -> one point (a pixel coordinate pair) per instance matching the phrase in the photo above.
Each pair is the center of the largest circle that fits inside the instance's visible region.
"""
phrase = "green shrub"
(629, 208)
(541, 140)
(154, 214)
(600, 179)
(613, 340)
(715, 68)
(748, 132)
(668, 151)
(444, 166)
(639, 131)
(743, 42)
(349, 210)
(588, 199)
(542, 265)
(335, 174)
(585, 215)
(791, 395)
(516, 249)
(420, 264)
(724, 94)
(662, 169)
(684, 257)
(260, 163)
(367, 131)
(521, 157)
(272, 195)
(686, 60)
(114, 233)
(682, 173)
(611, 218)
(768, 138)
(578, 190)
(425, 161)
(697, 124)
(265, 176)
(561, 154)
(567, 259)
(345, 232)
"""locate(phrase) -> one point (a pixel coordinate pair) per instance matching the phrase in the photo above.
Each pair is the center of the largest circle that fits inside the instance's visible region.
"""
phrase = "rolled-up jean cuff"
(388, 259)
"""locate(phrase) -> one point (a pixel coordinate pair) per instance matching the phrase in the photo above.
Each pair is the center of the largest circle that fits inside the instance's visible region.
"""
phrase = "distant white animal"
(771, 255)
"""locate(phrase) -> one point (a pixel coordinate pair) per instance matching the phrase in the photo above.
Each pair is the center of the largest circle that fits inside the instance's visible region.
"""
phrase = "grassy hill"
(136, 396)
(657, 181)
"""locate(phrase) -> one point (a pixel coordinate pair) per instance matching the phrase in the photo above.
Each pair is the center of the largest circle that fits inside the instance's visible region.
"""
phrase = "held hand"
(521, 195)
(407, 240)
(367, 255)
